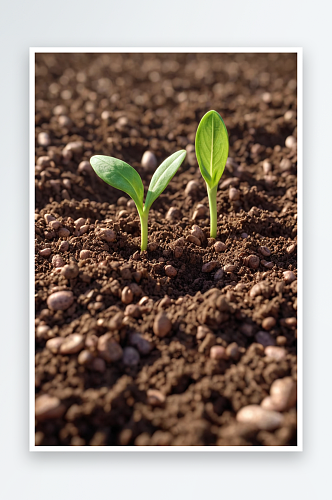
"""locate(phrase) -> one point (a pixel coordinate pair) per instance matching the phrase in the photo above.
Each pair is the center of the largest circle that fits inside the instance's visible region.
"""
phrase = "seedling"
(211, 145)
(122, 176)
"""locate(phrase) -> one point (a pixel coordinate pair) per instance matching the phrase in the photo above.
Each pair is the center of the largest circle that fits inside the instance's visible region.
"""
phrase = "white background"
(174, 23)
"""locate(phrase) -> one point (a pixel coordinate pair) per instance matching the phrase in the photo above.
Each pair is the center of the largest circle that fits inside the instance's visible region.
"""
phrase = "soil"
(165, 390)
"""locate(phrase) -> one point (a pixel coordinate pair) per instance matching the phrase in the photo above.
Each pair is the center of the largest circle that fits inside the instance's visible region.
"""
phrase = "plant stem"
(212, 194)
(144, 230)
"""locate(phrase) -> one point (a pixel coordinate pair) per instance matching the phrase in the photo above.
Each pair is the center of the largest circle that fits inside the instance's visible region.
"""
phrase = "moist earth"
(192, 342)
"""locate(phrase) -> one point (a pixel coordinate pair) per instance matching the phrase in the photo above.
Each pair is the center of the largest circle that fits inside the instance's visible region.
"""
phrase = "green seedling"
(122, 176)
(211, 145)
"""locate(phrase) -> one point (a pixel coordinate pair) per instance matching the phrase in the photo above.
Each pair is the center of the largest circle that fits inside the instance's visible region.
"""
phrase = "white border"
(33, 51)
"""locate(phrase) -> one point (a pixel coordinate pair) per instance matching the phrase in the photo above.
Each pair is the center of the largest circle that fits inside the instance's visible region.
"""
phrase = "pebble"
(70, 271)
(208, 342)
(162, 325)
(266, 420)
(143, 345)
(46, 252)
(265, 251)
(130, 204)
(85, 254)
(64, 246)
(48, 218)
(153, 246)
(155, 397)
(60, 301)
(202, 332)
(289, 115)
(218, 352)
(133, 311)
(178, 252)
(127, 295)
(253, 261)
(108, 235)
(290, 142)
(289, 276)
(233, 181)
(290, 249)
(54, 344)
(267, 166)
(209, 266)
(229, 268)
(275, 352)
(264, 338)
(42, 331)
(48, 408)
(197, 232)
(283, 393)
(234, 194)
(85, 358)
(290, 322)
(122, 214)
(244, 235)
(193, 239)
(84, 229)
(63, 232)
(170, 271)
(130, 357)
(269, 323)
(54, 224)
(79, 223)
(44, 139)
(44, 161)
(191, 188)
(116, 322)
(57, 261)
(108, 349)
(268, 265)
(72, 344)
(84, 166)
(173, 213)
(200, 211)
(75, 147)
(98, 365)
(64, 121)
(285, 164)
(219, 246)
(281, 340)
(218, 275)
(149, 161)
(232, 351)
(247, 329)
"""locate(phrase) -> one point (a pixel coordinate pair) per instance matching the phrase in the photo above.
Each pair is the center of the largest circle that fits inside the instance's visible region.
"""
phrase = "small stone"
(42, 331)
(75, 147)
(108, 235)
(149, 161)
(275, 352)
(289, 276)
(283, 393)
(192, 188)
(285, 164)
(48, 218)
(64, 246)
(265, 251)
(269, 323)
(133, 311)
(265, 339)
(72, 344)
(48, 408)
(200, 211)
(85, 254)
(253, 261)
(232, 351)
(64, 121)
(54, 344)
(233, 181)
(57, 261)
(281, 340)
(208, 342)
(266, 420)
(84, 229)
(46, 252)
(218, 352)
(122, 214)
(44, 161)
(218, 275)
(244, 235)
(209, 266)
(79, 223)
(70, 271)
(98, 365)
(85, 166)
(60, 109)
(202, 332)
(234, 194)
(116, 322)
(257, 149)
(54, 224)
(193, 239)
(153, 246)
(130, 357)
(162, 325)
(267, 264)
(155, 397)
(108, 349)
(85, 358)
(60, 301)
(170, 271)
(143, 345)
(127, 295)
(63, 232)
(131, 204)
(267, 166)
(219, 246)
(178, 252)
(198, 233)
(290, 322)
(44, 139)
(173, 214)
(247, 329)
(291, 248)
(290, 142)
(289, 115)
(229, 268)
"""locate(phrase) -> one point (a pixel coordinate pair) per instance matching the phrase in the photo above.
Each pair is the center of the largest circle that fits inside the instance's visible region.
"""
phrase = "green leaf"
(163, 176)
(120, 175)
(211, 146)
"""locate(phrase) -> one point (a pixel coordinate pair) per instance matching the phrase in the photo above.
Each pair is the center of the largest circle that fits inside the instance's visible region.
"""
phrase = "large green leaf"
(120, 175)
(211, 146)
(163, 176)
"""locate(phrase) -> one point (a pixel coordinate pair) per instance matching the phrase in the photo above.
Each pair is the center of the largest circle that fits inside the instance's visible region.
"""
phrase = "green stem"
(212, 194)
(144, 229)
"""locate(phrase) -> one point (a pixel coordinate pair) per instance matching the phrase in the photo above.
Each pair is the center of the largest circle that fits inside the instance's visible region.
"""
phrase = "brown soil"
(155, 102)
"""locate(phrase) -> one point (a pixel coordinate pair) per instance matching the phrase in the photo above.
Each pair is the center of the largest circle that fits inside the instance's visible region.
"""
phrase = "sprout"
(211, 146)
(122, 176)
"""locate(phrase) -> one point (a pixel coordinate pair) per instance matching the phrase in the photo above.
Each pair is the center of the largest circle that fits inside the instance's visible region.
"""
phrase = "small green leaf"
(163, 176)
(211, 146)
(120, 175)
